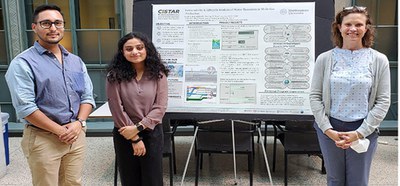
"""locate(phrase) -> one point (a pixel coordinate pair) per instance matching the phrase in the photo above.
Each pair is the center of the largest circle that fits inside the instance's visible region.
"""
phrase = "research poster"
(248, 58)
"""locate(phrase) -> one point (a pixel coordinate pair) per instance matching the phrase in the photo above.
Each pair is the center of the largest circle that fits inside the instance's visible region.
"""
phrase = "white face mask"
(361, 145)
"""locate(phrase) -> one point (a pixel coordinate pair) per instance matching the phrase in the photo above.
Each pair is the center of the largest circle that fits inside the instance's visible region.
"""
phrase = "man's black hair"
(44, 7)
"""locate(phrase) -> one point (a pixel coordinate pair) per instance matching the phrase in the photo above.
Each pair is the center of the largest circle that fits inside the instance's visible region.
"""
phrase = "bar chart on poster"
(248, 58)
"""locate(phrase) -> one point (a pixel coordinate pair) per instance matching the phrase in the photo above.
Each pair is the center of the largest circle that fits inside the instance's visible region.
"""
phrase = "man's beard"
(51, 41)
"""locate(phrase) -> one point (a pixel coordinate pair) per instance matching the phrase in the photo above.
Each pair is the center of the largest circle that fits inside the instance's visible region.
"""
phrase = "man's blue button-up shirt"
(37, 80)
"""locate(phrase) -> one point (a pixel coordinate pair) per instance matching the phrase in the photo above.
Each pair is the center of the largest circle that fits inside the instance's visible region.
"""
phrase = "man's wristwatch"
(83, 122)
(140, 127)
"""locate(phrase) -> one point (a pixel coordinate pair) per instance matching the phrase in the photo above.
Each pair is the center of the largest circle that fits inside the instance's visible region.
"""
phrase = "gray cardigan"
(379, 99)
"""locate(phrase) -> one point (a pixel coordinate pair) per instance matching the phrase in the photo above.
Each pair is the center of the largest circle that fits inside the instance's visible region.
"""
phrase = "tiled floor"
(217, 168)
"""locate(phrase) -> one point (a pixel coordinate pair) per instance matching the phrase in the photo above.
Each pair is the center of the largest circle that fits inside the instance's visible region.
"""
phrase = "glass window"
(386, 42)
(99, 14)
(382, 12)
(3, 45)
(98, 30)
(109, 44)
(97, 46)
(87, 46)
(387, 12)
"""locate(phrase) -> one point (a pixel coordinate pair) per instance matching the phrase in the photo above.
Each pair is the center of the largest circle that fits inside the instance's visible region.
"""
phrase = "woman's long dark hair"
(121, 70)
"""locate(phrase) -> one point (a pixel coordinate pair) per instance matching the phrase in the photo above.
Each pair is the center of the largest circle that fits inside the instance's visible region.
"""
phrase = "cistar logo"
(168, 11)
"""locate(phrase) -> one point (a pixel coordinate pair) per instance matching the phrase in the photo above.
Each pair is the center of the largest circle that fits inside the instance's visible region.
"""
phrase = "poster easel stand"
(233, 145)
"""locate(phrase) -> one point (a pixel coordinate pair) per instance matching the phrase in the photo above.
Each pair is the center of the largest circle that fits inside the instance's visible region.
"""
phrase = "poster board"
(237, 60)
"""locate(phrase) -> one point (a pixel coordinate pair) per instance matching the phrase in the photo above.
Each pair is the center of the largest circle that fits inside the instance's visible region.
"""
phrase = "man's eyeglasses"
(46, 24)
(359, 8)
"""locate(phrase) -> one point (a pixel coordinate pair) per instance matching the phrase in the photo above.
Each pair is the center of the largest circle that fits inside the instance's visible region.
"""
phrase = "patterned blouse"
(351, 82)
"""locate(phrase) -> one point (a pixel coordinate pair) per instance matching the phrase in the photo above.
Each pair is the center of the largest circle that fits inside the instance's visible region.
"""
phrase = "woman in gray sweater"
(350, 96)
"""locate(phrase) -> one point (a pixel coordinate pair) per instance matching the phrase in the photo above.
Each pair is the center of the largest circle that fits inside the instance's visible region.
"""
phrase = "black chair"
(168, 151)
(216, 137)
(298, 137)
